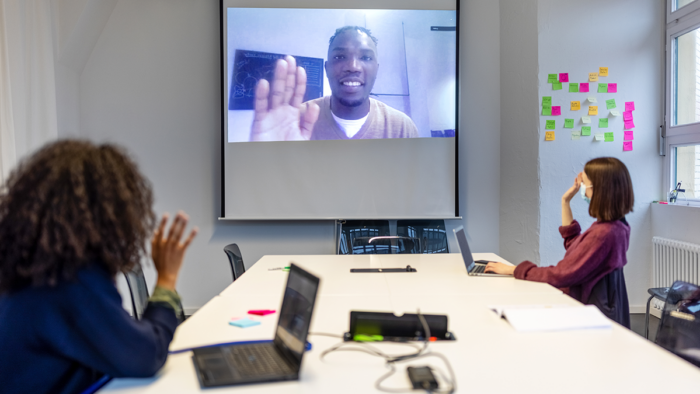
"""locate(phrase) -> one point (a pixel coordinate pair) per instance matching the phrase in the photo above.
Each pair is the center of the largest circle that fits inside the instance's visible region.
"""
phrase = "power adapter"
(422, 378)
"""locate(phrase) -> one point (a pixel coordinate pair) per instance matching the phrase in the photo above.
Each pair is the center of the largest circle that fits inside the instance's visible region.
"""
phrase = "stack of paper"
(529, 318)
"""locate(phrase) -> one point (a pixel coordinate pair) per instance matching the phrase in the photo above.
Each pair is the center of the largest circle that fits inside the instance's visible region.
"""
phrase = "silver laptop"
(474, 268)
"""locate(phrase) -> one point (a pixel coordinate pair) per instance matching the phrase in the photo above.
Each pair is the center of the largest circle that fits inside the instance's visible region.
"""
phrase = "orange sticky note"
(575, 105)
(592, 77)
(549, 136)
(603, 72)
(592, 110)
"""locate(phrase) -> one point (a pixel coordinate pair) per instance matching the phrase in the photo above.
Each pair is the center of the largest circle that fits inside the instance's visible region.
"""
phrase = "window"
(682, 110)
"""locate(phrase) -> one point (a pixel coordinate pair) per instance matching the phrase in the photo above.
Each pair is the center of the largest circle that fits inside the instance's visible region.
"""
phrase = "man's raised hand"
(280, 114)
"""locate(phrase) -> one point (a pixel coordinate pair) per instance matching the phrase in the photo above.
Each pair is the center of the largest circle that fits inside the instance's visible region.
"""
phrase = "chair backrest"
(389, 244)
(138, 290)
(679, 330)
(431, 233)
(610, 296)
(235, 259)
(352, 229)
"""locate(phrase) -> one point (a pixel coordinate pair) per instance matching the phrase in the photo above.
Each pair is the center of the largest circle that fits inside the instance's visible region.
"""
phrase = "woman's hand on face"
(499, 268)
(168, 251)
(573, 189)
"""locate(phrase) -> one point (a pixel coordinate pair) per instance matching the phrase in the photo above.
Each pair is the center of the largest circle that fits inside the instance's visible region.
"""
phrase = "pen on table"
(279, 268)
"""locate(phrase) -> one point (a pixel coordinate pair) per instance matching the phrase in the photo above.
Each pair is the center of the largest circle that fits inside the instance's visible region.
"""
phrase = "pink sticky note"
(612, 88)
(629, 106)
(583, 87)
(563, 77)
(629, 124)
(627, 115)
(629, 134)
(556, 111)
(627, 145)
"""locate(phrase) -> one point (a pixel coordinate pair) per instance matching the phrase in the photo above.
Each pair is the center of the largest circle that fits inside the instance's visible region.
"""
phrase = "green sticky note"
(603, 123)
(610, 103)
(609, 137)
(547, 100)
(551, 78)
(550, 125)
(546, 110)
(586, 130)
(556, 86)
(573, 88)
(568, 123)
(602, 88)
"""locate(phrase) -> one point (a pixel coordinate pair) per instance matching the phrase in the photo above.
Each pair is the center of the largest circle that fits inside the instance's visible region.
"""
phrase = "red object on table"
(261, 312)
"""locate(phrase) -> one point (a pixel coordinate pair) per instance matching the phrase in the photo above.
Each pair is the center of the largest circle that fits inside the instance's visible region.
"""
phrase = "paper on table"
(627, 145)
(609, 137)
(593, 110)
(599, 137)
(556, 86)
(549, 136)
(629, 106)
(615, 112)
(575, 135)
(563, 77)
(603, 123)
(603, 71)
(612, 88)
(575, 105)
(556, 110)
(560, 318)
(583, 87)
(573, 87)
(610, 104)
(586, 130)
(550, 125)
(546, 110)
(629, 134)
(586, 119)
(592, 99)
(602, 87)
(592, 77)
(568, 123)
(551, 78)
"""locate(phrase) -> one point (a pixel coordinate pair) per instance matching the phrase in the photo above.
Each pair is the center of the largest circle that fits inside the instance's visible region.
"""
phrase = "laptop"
(267, 361)
(474, 268)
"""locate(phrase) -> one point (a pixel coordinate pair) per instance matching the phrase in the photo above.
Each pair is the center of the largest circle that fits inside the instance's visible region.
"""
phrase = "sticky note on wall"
(609, 137)
(550, 125)
(603, 71)
(547, 100)
(629, 106)
(563, 77)
(627, 146)
(551, 78)
(556, 86)
(583, 87)
(593, 110)
(629, 134)
(568, 123)
(599, 137)
(612, 88)
(556, 110)
(603, 123)
(592, 99)
(610, 104)
(586, 119)
(627, 115)
(602, 87)
(575, 105)
(549, 136)
(575, 135)
(592, 77)
(629, 124)
(615, 112)
(546, 110)
(586, 130)
(573, 87)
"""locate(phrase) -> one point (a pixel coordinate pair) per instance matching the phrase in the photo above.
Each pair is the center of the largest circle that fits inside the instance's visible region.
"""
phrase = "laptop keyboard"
(252, 360)
(478, 269)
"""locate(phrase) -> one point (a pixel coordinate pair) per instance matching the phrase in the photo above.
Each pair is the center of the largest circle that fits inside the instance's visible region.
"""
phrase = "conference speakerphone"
(366, 270)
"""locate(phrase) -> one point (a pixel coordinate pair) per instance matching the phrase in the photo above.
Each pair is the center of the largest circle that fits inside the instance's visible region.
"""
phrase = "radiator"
(673, 260)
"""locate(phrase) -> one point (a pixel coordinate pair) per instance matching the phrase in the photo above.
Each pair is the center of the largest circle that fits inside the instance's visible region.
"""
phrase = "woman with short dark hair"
(72, 217)
(590, 256)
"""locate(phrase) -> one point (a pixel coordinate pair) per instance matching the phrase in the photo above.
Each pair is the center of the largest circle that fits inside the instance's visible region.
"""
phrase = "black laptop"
(271, 361)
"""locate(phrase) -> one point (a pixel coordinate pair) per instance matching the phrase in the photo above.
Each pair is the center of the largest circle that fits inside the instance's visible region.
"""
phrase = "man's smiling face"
(352, 67)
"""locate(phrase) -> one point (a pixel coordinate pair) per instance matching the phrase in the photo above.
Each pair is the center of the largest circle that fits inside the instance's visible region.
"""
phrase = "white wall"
(675, 222)
(151, 84)
(573, 40)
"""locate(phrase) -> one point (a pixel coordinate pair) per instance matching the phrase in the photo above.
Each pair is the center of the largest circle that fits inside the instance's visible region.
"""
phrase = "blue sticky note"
(244, 323)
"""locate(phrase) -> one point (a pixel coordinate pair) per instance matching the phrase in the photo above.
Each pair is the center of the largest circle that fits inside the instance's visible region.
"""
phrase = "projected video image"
(313, 74)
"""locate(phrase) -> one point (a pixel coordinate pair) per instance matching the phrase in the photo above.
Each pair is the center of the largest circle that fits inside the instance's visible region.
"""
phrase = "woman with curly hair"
(72, 217)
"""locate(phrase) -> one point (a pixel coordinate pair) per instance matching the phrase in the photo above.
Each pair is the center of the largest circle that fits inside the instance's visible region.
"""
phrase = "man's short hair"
(360, 28)
(613, 197)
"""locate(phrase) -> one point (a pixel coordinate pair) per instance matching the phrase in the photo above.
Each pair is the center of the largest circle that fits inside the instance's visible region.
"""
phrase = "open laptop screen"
(295, 315)
(464, 247)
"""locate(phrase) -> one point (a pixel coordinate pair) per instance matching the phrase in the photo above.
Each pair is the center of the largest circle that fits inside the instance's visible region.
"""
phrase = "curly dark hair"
(358, 28)
(71, 203)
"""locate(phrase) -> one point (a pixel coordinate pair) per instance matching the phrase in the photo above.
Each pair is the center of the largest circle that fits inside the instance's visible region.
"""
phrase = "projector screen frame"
(317, 4)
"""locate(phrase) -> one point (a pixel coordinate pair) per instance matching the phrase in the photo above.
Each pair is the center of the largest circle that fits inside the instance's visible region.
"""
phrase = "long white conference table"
(489, 356)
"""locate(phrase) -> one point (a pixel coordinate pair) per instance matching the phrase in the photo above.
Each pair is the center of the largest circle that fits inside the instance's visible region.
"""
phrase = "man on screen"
(348, 113)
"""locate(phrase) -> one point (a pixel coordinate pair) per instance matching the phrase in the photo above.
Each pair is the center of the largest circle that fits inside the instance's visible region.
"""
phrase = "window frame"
(678, 23)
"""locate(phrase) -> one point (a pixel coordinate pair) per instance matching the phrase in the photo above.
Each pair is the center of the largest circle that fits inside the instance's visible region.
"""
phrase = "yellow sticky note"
(603, 72)
(593, 77)
(592, 110)
(575, 105)
(549, 136)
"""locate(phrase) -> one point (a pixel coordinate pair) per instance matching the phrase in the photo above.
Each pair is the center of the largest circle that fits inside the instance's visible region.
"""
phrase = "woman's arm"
(566, 216)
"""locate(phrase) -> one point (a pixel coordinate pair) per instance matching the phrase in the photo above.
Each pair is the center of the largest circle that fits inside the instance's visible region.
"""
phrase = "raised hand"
(569, 194)
(280, 114)
(168, 251)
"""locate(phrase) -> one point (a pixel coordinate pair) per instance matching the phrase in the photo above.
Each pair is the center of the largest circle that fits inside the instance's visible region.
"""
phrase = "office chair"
(655, 292)
(352, 229)
(610, 296)
(431, 233)
(138, 290)
(235, 258)
(679, 330)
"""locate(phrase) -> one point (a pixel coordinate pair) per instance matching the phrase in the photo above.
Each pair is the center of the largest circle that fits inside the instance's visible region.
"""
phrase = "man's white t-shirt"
(350, 127)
